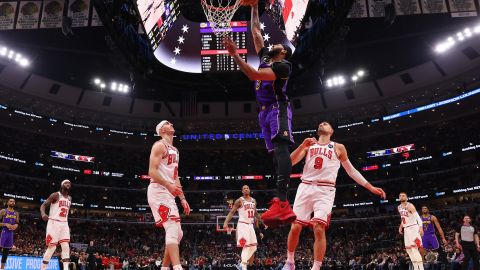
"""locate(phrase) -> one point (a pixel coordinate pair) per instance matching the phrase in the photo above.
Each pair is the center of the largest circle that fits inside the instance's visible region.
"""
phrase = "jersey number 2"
(318, 163)
(63, 212)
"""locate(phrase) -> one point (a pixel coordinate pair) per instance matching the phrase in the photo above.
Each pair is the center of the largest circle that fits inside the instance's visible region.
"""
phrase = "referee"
(466, 238)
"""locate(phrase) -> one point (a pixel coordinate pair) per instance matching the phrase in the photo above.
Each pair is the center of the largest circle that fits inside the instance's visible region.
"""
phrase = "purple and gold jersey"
(269, 92)
(6, 236)
(428, 226)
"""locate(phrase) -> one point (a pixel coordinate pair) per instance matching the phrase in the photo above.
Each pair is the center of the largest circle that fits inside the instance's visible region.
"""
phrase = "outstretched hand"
(379, 192)
(230, 45)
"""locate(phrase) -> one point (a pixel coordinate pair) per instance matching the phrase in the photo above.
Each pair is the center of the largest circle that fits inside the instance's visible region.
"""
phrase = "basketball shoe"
(288, 266)
(279, 213)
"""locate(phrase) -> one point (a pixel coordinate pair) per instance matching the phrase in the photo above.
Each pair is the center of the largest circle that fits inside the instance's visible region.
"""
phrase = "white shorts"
(57, 232)
(316, 199)
(246, 236)
(163, 204)
(412, 237)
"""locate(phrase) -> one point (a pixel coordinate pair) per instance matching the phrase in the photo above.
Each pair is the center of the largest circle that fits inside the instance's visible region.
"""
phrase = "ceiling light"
(329, 83)
(102, 85)
(24, 62)
(354, 78)
(113, 86)
(360, 73)
(97, 81)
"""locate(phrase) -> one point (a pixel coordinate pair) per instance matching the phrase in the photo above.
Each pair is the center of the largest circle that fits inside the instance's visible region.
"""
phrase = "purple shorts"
(430, 242)
(276, 122)
(6, 239)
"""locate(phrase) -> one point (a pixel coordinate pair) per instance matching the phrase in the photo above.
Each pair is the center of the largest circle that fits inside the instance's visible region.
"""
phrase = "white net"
(219, 14)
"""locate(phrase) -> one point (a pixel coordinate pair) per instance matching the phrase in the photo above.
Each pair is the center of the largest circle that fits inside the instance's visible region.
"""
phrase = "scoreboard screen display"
(213, 53)
(157, 18)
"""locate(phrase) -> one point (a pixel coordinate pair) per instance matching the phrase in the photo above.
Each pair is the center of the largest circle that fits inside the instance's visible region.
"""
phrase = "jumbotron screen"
(214, 55)
(157, 18)
(288, 15)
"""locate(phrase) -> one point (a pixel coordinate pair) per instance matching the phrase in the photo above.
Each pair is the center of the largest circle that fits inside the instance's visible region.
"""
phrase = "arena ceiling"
(371, 44)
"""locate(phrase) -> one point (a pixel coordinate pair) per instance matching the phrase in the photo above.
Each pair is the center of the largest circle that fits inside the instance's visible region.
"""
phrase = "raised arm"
(256, 30)
(354, 173)
(156, 155)
(299, 153)
(439, 228)
(236, 205)
(51, 199)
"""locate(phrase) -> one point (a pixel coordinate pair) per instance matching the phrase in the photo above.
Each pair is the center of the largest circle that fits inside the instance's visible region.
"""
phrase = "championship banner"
(95, 18)
(434, 6)
(462, 8)
(376, 8)
(391, 151)
(359, 9)
(79, 10)
(28, 262)
(407, 7)
(7, 15)
(28, 15)
(72, 157)
(52, 14)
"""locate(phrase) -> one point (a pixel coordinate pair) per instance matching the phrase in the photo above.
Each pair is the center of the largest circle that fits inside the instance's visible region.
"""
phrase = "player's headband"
(65, 181)
(160, 125)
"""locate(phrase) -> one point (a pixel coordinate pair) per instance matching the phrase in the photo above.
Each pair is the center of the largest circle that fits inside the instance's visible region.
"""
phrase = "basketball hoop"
(219, 14)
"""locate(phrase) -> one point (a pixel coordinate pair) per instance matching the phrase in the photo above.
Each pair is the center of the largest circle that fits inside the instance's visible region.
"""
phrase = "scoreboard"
(213, 53)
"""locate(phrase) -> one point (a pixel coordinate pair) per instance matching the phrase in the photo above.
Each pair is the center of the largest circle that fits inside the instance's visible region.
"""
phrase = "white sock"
(244, 266)
(177, 267)
(165, 268)
(316, 265)
(65, 265)
(290, 257)
(418, 265)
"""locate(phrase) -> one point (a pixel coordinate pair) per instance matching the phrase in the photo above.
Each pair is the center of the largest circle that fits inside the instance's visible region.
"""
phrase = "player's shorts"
(57, 232)
(314, 198)
(163, 204)
(276, 122)
(246, 236)
(6, 239)
(430, 242)
(412, 237)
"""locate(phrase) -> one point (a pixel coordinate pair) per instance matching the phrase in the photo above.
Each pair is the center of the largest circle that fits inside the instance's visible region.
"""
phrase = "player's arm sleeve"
(281, 70)
(354, 173)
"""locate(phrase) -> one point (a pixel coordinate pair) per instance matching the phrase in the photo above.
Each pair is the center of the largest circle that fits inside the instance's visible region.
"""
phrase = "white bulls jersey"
(408, 219)
(246, 213)
(168, 168)
(59, 210)
(321, 164)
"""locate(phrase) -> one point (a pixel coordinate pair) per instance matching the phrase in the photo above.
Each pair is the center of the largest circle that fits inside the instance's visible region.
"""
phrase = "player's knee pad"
(65, 251)
(48, 253)
(4, 255)
(414, 255)
(173, 232)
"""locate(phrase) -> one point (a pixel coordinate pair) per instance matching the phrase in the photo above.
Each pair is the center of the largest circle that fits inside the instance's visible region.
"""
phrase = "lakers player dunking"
(58, 231)
(275, 116)
(9, 220)
(246, 238)
(164, 187)
(316, 193)
(411, 226)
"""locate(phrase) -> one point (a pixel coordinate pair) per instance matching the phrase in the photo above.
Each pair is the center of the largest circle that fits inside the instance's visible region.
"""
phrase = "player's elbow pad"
(354, 173)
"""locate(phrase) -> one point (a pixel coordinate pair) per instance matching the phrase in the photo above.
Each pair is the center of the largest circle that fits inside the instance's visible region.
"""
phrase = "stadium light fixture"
(354, 78)
(97, 81)
(468, 32)
(113, 86)
(14, 56)
(103, 85)
(360, 73)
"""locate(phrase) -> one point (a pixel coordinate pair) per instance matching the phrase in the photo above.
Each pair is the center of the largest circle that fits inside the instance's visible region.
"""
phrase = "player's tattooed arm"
(51, 199)
(440, 230)
(156, 155)
(236, 205)
(17, 220)
(258, 218)
(256, 30)
(2, 213)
